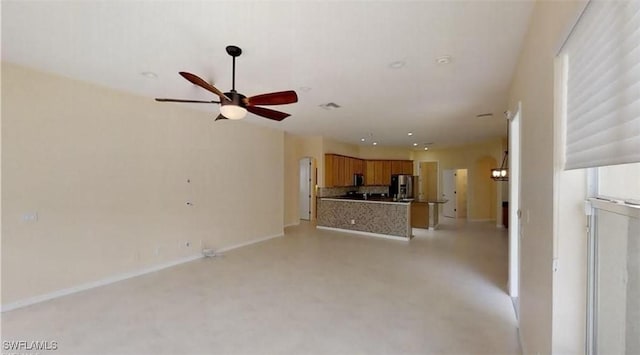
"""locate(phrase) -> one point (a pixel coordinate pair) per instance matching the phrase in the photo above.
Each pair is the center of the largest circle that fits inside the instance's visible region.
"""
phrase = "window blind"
(603, 86)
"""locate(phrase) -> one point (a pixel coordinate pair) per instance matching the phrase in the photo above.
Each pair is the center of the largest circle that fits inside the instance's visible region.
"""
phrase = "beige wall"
(336, 147)
(296, 148)
(291, 178)
(483, 194)
(370, 152)
(543, 319)
(107, 174)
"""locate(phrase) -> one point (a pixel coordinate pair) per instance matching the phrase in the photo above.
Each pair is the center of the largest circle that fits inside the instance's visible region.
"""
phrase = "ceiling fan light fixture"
(233, 112)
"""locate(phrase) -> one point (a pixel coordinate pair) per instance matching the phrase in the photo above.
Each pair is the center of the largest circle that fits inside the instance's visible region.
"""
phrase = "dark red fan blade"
(274, 98)
(196, 80)
(268, 113)
(188, 101)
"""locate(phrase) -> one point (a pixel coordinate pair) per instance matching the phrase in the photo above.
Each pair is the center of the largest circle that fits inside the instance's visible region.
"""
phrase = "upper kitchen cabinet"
(378, 172)
(328, 170)
(368, 172)
(396, 167)
(339, 170)
(385, 179)
(407, 167)
(358, 166)
(339, 167)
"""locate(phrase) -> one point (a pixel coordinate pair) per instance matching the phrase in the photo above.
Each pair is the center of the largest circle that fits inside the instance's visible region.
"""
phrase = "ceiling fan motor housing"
(236, 99)
(235, 108)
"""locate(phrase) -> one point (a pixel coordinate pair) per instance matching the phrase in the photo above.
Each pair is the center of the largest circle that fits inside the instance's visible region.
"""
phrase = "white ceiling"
(340, 50)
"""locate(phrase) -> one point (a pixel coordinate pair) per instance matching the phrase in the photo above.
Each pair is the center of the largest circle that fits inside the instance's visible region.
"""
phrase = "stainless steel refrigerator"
(401, 186)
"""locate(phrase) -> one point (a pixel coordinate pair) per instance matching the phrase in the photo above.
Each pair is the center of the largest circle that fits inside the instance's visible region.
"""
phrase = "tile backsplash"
(339, 191)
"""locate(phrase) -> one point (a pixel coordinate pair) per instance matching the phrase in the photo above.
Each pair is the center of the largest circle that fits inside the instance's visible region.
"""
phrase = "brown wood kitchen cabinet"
(349, 171)
(369, 173)
(407, 167)
(358, 166)
(379, 172)
(385, 179)
(328, 170)
(396, 167)
(402, 167)
(339, 170)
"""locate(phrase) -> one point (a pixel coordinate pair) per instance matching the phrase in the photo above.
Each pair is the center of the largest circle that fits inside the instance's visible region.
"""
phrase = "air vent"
(330, 106)
(484, 115)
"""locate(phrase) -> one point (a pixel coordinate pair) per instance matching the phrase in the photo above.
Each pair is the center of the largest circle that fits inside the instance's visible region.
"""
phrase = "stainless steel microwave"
(358, 179)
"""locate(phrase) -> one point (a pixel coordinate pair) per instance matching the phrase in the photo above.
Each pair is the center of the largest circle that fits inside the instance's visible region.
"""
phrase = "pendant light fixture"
(502, 173)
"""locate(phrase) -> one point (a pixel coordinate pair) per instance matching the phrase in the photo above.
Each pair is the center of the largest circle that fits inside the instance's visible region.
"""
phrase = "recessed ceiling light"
(397, 64)
(149, 74)
(425, 148)
(375, 143)
(445, 59)
(409, 134)
(361, 139)
(415, 144)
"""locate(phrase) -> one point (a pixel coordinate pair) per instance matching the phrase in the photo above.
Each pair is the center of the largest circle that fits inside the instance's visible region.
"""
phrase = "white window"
(601, 104)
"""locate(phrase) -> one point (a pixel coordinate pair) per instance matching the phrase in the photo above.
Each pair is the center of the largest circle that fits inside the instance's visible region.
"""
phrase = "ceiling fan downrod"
(233, 51)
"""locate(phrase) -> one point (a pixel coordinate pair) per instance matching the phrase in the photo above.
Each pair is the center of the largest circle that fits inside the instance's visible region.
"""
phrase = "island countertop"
(381, 217)
(368, 200)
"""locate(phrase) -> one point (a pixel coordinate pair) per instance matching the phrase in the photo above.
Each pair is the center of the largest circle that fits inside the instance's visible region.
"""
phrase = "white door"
(449, 193)
(305, 189)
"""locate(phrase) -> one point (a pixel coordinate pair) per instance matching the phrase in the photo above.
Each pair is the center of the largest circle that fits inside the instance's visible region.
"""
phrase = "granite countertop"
(368, 200)
(430, 201)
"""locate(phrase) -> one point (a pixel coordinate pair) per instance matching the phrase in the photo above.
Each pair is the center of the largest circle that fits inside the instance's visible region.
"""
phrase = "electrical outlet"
(30, 217)
(353, 221)
(187, 244)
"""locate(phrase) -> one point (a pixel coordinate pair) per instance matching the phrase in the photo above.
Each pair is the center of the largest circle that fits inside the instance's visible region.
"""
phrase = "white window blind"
(603, 86)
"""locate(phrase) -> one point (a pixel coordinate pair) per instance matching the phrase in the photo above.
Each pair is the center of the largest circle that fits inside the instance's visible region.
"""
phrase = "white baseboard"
(499, 226)
(89, 285)
(377, 235)
(109, 280)
(253, 241)
(481, 220)
(292, 224)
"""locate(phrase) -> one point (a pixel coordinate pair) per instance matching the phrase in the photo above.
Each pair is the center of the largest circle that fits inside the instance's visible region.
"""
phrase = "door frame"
(515, 228)
(308, 162)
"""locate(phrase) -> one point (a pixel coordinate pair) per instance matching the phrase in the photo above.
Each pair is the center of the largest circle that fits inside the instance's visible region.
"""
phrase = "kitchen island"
(379, 217)
(424, 213)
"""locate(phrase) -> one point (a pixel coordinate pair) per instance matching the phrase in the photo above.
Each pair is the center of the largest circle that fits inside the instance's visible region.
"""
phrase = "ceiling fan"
(233, 105)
